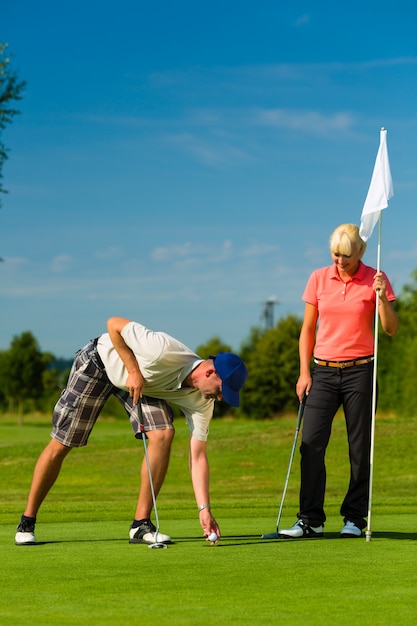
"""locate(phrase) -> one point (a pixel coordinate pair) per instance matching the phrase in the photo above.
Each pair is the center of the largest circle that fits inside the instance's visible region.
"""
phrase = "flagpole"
(368, 533)
(379, 193)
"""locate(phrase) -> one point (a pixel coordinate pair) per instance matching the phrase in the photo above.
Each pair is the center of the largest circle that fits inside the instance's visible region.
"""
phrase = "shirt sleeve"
(143, 342)
(198, 422)
(310, 291)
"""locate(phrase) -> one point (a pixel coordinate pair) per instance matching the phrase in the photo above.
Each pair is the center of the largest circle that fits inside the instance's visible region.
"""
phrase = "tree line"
(32, 381)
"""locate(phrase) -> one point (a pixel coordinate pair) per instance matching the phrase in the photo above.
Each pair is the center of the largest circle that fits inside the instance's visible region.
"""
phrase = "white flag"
(380, 190)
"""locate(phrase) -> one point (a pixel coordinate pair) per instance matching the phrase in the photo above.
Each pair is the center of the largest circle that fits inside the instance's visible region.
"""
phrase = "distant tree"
(54, 378)
(248, 346)
(273, 365)
(212, 347)
(21, 371)
(10, 91)
(3, 369)
(4, 360)
(397, 365)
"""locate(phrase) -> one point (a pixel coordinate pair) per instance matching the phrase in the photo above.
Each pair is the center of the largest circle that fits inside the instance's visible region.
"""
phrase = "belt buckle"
(343, 364)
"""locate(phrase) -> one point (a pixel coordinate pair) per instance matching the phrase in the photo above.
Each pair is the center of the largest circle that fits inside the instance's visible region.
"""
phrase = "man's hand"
(209, 525)
(135, 384)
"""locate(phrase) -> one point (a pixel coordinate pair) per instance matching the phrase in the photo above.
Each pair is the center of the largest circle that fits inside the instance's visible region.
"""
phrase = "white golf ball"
(212, 537)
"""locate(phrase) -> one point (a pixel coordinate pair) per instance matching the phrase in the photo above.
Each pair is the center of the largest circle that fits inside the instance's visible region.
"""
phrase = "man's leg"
(159, 449)
(156, 417)
(75, 413)
(74, 416)
(45, 474)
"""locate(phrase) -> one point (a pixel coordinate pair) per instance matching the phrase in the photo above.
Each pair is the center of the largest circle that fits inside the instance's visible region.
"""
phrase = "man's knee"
(161, 438)
(57, 450)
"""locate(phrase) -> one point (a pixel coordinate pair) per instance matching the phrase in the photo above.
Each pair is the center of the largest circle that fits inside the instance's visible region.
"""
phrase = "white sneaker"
(146, 533)
(350, 530)
(300, 529)
(25, 534)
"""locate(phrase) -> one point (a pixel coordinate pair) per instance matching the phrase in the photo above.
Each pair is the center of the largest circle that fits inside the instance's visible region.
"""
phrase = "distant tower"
(268, 312)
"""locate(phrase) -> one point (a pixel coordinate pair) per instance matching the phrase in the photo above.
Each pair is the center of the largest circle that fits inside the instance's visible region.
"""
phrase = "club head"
(271, 536)
(157, 545)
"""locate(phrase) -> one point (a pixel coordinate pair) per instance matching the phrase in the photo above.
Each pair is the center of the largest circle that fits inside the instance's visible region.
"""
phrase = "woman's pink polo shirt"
(346, 312)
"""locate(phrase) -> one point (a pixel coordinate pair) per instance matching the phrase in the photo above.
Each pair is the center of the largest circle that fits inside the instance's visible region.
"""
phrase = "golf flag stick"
(275, 535)
(368, 532)
(157, 543)
(379, 193)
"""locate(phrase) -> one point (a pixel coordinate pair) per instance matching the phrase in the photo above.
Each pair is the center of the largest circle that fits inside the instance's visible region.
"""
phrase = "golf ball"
(212, 537)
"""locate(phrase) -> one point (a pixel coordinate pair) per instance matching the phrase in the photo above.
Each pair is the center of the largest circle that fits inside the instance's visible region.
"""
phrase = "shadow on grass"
(394, 535)
(397, 536)
(50, 543)
(234, 540)
(335, 535)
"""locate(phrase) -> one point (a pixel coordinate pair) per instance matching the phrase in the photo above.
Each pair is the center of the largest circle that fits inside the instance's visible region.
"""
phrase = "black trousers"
(332, 388)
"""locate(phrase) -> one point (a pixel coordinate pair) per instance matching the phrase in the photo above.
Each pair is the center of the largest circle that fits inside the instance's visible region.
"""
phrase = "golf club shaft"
(297, 430)
(148, 464)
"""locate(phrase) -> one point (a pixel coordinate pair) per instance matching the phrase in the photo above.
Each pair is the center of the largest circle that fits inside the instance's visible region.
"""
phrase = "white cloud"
(302, 20)
(112, 252)
(312, 121)
(259, 249)
(176, 252)
(61, 263)
(210, 150)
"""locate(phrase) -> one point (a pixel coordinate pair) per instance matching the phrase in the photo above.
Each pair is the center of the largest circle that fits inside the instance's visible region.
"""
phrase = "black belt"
(96, 354)
(343, 364)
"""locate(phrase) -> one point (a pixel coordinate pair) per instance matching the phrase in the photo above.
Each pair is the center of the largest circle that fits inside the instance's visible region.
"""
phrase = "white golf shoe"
(302, 530)
(25, 534)
(350, 531)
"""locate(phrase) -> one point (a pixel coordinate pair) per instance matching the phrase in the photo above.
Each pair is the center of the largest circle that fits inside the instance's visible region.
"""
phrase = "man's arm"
(135, 381)
(200, 476)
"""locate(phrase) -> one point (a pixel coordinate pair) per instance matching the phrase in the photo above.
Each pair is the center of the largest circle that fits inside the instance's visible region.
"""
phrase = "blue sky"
(180, 163)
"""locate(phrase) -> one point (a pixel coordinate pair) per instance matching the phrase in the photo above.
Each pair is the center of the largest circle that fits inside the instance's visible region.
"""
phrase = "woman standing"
(338, 331)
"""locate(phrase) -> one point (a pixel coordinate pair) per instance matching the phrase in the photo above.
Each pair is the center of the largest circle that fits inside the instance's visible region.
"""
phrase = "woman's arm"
(387, 315)
(305, 348)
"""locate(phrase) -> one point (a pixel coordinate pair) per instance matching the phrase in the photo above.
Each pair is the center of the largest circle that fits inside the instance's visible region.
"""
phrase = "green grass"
(85, 572)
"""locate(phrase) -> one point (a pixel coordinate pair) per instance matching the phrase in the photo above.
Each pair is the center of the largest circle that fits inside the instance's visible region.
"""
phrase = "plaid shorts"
(83, 398)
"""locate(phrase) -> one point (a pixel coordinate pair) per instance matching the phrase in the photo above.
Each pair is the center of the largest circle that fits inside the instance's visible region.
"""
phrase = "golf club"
(156, 544)
(275, 535)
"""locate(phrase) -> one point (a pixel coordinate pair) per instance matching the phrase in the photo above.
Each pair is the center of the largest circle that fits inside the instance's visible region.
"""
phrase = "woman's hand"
(303, 386)
(380, 285)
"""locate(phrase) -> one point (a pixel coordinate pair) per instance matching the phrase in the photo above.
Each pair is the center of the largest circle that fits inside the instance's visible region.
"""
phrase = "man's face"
(211, 386)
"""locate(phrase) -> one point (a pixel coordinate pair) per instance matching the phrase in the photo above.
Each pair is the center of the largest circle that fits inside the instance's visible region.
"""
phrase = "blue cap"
(233, 374)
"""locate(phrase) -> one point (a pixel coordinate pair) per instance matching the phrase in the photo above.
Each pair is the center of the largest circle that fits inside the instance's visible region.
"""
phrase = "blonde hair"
(345, 238)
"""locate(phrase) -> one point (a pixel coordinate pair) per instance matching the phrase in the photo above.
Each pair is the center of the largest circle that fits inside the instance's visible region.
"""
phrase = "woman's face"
(347, 264)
